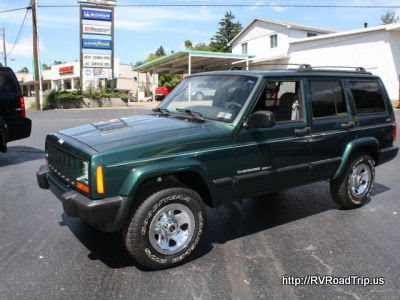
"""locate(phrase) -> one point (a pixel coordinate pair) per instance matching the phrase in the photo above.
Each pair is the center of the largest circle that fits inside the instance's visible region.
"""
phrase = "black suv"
(13, 122)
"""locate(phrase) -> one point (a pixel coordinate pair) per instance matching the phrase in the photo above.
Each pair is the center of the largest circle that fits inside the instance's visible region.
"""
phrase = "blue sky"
(141, 30)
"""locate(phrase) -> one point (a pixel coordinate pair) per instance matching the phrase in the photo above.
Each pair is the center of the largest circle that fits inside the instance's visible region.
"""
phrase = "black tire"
(199, 96)
(342, 188)
(137, 233)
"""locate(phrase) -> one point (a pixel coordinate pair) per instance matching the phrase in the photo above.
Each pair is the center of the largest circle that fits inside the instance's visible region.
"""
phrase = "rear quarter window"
(7, 83)
(367, 96)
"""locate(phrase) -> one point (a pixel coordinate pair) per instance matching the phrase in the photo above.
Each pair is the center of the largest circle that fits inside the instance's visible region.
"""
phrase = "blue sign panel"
(96, 44)
(98, 15)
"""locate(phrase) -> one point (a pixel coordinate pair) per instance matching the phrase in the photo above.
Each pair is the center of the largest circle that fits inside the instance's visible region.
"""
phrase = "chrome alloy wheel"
(360, 180)
(171, 229)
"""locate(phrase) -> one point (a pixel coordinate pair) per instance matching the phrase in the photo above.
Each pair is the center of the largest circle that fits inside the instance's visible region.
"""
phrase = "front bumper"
(105, 214)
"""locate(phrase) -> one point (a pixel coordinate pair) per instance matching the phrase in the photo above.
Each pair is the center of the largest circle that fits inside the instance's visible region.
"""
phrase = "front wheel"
(354, 188)
(166, 228)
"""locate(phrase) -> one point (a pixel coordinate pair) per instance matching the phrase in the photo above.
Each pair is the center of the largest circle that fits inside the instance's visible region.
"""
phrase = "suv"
(13, 122)
(151, 176)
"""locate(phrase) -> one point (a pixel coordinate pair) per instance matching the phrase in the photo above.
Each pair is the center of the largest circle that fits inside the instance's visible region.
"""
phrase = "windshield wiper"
(161, 111)
(196, 115)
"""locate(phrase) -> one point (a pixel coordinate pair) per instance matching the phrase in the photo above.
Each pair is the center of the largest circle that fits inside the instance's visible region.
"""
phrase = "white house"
(269, 40)
(377, 49)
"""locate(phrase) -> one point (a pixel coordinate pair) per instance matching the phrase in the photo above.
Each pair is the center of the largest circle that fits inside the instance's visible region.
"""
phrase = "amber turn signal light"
(100, 180)
(83, 187)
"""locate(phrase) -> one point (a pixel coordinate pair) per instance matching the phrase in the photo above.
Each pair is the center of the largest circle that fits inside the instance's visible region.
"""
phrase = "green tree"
(138, 63)
(188, 45)
(202, 47)
(160, 51)
(227, 31)
(389, 18)
(24, 70)
(169, 80)
(46, 67)
(58, 62)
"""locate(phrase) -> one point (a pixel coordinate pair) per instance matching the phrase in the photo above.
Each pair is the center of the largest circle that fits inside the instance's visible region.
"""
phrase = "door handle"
(302, 131)
(347, 125)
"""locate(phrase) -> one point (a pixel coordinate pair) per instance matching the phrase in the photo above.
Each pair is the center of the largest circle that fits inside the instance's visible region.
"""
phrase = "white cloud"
(152, 19)
(23, 48)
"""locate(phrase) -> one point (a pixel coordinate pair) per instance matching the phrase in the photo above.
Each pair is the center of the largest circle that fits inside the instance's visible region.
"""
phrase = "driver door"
(268, 159)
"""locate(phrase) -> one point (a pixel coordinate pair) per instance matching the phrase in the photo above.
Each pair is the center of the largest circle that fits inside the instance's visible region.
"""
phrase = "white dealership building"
(66, 76)
(278, 44)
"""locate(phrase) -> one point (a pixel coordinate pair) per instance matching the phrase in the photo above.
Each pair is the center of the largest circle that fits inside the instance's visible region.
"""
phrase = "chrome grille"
(63, 164)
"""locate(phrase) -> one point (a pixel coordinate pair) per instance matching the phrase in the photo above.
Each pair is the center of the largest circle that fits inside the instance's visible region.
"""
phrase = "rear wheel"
(166, 228)
(353, 189)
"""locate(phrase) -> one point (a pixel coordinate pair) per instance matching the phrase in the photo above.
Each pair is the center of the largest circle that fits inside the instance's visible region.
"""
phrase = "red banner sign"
(66, 70)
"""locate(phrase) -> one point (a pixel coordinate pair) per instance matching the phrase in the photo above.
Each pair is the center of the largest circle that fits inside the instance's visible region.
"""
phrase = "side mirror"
(261, 119)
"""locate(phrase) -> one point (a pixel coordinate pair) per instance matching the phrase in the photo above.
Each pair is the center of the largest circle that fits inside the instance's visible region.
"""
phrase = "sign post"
(96, 17)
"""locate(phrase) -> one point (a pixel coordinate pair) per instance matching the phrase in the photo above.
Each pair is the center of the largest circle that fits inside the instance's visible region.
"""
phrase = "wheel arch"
(369, 145)
(189, 173)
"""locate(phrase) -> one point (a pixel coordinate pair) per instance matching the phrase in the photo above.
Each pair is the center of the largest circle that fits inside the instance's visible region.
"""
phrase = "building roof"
(391, 27)
(178, 62)
(284, 24)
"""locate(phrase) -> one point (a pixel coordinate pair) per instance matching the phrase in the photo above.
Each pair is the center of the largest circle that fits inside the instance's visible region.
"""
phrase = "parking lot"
(248, 247)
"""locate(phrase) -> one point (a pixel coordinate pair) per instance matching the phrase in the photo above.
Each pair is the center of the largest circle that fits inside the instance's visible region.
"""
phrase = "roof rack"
(307, 67)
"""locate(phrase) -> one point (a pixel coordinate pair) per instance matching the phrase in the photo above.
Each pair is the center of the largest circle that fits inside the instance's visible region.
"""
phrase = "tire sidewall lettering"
(154, 209)
(199, 228)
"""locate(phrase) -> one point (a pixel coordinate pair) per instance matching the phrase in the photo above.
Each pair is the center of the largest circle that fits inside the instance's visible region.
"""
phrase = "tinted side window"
(7, 83)
(327, 98)
(367, 96)
(284, 99)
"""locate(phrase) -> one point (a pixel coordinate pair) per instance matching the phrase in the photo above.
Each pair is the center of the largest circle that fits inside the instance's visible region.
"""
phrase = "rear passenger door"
(332, 125)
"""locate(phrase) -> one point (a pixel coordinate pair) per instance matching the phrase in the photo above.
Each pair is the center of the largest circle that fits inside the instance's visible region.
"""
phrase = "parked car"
(203, 91)
(162, 92)
(262, 132)
(14, 124)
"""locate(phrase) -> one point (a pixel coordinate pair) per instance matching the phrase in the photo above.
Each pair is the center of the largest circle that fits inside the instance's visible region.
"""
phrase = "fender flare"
(369, 143)
(141, 173)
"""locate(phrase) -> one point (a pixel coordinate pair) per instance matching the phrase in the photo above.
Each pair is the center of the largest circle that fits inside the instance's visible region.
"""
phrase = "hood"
(126, 132)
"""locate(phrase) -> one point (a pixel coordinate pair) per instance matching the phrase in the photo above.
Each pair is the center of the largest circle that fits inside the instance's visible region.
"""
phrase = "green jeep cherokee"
(259, 132)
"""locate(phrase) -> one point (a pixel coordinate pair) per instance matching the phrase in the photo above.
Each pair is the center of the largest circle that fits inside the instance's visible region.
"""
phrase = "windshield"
(215, 97)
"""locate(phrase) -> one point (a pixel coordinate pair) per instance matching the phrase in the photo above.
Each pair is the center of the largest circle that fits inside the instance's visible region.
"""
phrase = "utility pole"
(38, 80)
(4, 47)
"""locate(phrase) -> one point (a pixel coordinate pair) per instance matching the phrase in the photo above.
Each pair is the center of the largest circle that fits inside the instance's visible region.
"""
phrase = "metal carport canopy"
(191, 61)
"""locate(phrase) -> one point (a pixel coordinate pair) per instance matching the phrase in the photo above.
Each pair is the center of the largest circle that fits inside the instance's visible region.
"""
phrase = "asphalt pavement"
(248, 247)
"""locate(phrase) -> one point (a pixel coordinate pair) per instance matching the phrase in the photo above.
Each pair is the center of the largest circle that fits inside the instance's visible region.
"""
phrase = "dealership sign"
(96, 29)
(66, 70)
(96, 73)
(96, 60)
(96, 44)
(98, 15)
(99, 2)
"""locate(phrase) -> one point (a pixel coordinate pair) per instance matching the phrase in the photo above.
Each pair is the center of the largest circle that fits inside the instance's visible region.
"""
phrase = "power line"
(19, 33)
(237, 4)
(14, 9)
